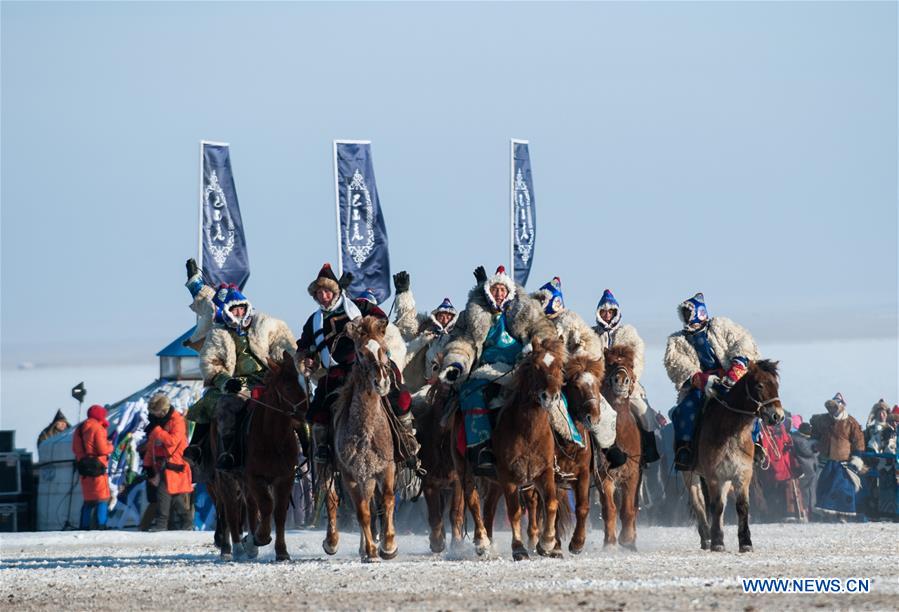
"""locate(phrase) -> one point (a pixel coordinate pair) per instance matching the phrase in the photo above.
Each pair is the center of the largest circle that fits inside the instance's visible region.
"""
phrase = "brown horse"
(436, 442)
(620, 486)
(724, 452)
(524, 444)
(231, 505)
(363, 442)
(272, 453)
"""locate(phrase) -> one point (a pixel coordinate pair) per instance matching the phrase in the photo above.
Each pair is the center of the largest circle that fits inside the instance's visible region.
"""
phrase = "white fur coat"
(424, 345)
(268, 338)
(578, 337)
(205, 311)
(525, 322)
(727, 339)
(623, 335)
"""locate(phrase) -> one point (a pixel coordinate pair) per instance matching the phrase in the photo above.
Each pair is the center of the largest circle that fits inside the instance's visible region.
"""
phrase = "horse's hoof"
(388, 555)
(438, 545)
(482, 548)
(520, 555)
(610, 544)
(226, 557)
(367, 559)
(249, 546)
(745, 548)
(282, 557)
(705, 544)
(329, 550)
(575, 550)
(717, 547)
(631, 546)
(553, 553)
(532, 544)
(263, 542)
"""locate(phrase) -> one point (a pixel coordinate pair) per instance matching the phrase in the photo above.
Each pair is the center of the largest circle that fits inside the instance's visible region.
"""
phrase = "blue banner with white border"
(224, 247)
(363, 234)
(524, 212)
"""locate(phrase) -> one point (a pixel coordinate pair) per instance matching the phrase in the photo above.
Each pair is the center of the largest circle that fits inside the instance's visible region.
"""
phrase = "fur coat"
(425, 340)
(837, 438)
(203, 307)
(728, 340)
(577, 335)
(267, 338)
(623, 335)
(525, 322)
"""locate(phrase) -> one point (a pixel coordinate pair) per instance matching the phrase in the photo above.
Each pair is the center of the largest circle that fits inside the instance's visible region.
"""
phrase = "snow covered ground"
(128, 570)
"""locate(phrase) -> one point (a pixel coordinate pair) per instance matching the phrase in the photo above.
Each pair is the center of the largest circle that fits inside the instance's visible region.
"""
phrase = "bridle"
(759, 404)
(281, 400)
(627, 377)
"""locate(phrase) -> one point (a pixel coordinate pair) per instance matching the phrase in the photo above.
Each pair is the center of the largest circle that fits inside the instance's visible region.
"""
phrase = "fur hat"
(230, 296)
(326, 279)
(499, 278)
(159, 405)
(805, 429)
(445, 306)
(608, 302)
(98, 413)
(369, 296)
(550, 295)
(836, 402)
(693, 313)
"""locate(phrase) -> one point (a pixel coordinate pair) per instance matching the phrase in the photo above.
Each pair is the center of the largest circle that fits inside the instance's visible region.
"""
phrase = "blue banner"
(225, 257)
(363, 235)
(524, 212)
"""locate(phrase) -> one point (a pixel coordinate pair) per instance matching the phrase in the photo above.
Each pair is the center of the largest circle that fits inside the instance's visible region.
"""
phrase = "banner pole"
(512, 208)
(337, 214)
(200, 212)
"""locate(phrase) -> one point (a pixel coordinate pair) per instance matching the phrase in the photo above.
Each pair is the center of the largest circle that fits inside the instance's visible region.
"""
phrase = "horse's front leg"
(261, 495)
(473, 501)
(388, 547)
(490, 504)
(629, 492)
(437, 537)
(533, 502)
(743, 515)
(283, 490)
(547, 485)
(329, 490)
(457, 513)
(609, 512)
(697, 501)
(582, 508)
(362, 501)
(513, 510)
(717, 499)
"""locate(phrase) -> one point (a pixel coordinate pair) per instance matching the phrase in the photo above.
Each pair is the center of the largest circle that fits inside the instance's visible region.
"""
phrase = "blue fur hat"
(445, 306)
(693, 313)
(552, 300)
(369, 296)
(227, 297)
(608, 302)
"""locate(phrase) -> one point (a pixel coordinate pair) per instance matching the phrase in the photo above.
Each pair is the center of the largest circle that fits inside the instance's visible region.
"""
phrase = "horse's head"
(583, 386)
(371, 352)
(758, 390)
(542, 373)
(620, 378)
(282, 385)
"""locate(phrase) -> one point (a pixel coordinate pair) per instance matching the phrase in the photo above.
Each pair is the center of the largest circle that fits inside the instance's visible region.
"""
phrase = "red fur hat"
(326, 279)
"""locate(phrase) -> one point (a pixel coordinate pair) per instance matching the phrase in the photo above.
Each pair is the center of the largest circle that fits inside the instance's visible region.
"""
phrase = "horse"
(272, 451)
(231, 504)
(583, 378)
(363, 441)
(724, 451)
(620, 486)
(524, 445)
(436, 442)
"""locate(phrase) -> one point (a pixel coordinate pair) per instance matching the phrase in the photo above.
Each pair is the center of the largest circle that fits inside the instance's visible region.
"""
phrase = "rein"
(759, 404)
(293, 406)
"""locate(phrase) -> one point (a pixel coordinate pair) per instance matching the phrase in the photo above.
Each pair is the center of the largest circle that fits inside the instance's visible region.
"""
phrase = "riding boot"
(615, 456)
(321, 437)
(227, 459)
(648, 449)
(683, 455)
(482, 459)
(411, 443)
(194, 452)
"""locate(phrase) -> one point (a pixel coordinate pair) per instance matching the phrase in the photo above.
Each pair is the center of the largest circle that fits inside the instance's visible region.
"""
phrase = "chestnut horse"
(272, 452)
(620, 486)
(436, 442)
(363, 441)
(724, 452)
(524, 444)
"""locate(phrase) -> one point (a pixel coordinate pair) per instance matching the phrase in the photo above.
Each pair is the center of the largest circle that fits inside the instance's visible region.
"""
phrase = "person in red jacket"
(164, 463)
(91, 441)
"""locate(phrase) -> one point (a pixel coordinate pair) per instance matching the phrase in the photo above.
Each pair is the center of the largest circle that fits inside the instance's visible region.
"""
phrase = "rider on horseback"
(323, 337)
(580, 339)
(612, 333)
(204, 304)
(426, 334)
(703, 360)
(500, 319)
(232, 360)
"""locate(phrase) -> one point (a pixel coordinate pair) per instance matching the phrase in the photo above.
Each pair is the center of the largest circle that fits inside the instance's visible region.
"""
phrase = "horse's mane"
(583, 364)
(526, 383)
(767, 366)
(368, 327)
(621, 354)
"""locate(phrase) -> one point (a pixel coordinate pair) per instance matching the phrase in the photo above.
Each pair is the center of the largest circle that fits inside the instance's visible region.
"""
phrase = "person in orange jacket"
(165, 465)
(91, 442)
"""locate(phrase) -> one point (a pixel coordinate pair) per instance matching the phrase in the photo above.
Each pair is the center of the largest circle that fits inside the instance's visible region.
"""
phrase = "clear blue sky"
(748, 150)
